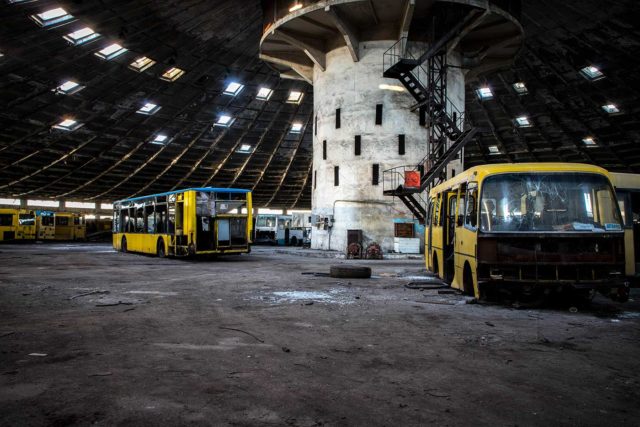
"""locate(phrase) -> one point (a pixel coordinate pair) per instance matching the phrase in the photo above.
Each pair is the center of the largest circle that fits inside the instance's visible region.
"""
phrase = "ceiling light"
(142, 64)
(520, 88)
(159, 139)
(611, 108)
(484, 93)
(111, 51)
(296, 128)
(523, 122)
(394, 88)
(264, 94)
(51, 17)
(295, 97)
(296, 6)
(233, 89)
(589, 141)
(172, 74)
(68, 125)
(68, 88)
(81, 36)
(245, 148)
(493, 149)
(149, 109)
(224, 120)
(591, 73)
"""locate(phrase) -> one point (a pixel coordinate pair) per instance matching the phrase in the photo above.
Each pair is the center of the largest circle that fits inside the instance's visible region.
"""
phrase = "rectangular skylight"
(51, 17)
(160, 139)
(172, 74)
(80, 205)
(68, 125)
(493, 149)
(296, 128)
(484, 93)
(149, 109)
(224, 120)
(106, 206)
(245, 148)
(142, 64)
(589, 141)
(295, 97)
(81, 36)
(520, 88)
(233, 89)
(264, 94)
(523, 122)
(68, 88)
(591, 73)
(12, 202)
(611, 108)
(111, 51)
(44, 203)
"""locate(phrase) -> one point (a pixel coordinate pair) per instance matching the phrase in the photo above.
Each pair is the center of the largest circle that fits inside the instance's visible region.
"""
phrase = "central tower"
(365, 123)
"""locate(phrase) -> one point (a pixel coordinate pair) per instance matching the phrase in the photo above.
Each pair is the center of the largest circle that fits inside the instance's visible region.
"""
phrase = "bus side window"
(149, 217)
(436, 211)
(471, 211)
(427, 219)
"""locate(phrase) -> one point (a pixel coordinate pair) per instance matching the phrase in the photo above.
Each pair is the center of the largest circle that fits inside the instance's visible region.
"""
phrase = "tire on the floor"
(350, 271)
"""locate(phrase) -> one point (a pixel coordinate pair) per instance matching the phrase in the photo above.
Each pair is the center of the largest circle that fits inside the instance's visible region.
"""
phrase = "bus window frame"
(471, 186)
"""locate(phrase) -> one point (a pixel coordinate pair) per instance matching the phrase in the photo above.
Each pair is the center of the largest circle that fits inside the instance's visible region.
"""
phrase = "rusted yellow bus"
(17, 224)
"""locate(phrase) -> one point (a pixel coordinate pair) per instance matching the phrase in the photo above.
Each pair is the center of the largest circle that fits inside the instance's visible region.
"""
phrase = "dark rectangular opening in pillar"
(423, 116)
(315, 179)
(357, 146)
(337, 118)
(315, 130)
(324, 150)
(401, 145)
(375, 175)
(336, 176)
(379, 114)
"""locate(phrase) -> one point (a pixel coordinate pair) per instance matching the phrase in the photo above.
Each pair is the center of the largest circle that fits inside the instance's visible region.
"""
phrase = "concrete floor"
(249, 340)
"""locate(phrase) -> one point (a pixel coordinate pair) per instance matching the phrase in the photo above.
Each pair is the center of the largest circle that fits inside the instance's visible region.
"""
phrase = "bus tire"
(467, 280)
(350, 271)
(435, 264)
(160, 251)
(123, 245)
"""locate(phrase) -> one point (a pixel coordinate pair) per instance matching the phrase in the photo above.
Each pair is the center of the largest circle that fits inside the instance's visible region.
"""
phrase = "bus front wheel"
(123, 245)
(160, 250)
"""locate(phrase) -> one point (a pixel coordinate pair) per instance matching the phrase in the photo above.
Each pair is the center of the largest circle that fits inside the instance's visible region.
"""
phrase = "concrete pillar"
(355, 88)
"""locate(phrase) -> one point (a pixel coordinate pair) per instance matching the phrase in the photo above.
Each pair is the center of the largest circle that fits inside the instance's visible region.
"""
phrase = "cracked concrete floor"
(91, 336)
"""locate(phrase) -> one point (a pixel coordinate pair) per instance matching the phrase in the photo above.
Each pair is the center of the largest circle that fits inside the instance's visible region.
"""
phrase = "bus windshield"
(530, 202)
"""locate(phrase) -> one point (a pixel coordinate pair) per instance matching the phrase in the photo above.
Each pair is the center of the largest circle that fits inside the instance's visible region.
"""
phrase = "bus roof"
(480, 172)
(202, 189)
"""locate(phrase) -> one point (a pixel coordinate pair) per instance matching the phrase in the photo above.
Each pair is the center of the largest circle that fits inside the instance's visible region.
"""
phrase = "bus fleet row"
(29, 225)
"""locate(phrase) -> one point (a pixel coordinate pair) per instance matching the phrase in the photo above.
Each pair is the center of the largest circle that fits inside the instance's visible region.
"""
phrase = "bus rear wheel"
(160, 252)
(123, 245)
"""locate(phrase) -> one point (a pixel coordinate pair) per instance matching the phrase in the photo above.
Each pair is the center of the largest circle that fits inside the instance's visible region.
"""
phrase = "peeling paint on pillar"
(353, 87)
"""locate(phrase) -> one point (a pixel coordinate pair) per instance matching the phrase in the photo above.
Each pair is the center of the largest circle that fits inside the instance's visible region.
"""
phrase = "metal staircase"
(448, 130)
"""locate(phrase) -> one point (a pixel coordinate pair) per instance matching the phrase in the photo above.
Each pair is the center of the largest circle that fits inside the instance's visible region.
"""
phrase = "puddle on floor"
(333, 296)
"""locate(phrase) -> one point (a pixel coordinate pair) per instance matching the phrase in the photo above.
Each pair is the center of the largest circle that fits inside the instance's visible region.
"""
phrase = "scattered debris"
(308, 303)
(350, 271)
(244, 332)
(573, 309)
(446, 292)
(88, 293)
(490, 324)
(427, 283)
(128, 309)
(111, 304)
(313, 273)
(10, 372)
(101, 374)
(6, 334)
(436, 394)
(286, 349)
(38, 354)
(437, 302)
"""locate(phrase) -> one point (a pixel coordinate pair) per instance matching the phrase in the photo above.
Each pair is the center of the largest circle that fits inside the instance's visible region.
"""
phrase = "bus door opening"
(635, 217)
(449, 230)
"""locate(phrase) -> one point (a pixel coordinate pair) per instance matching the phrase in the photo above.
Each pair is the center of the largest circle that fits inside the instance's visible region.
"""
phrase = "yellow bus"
(69, 226)
(17, 224)
(530, 228)
(45, 225)
(627, 187)
(186, 222)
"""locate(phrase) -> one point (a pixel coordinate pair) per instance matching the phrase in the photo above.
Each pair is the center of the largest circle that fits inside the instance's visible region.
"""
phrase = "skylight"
(160, 139)
(81, 36)
(149, 109)
(233, 89)
(589, 141)
(111, 51)
(264, 94)
(611, 108)
(224, 120)
(484, 93)
(295, 97)
(591, 73)
(142, 64)
(172, 74)
(523, 122)
(296, 128)
(68, 88)
(51, 17)
(520, 88)
(493, 149)
(245, 148)
(68, 125)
